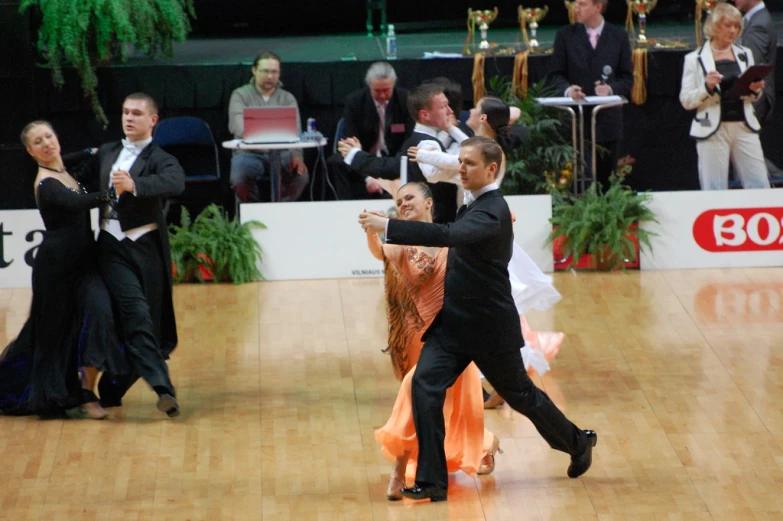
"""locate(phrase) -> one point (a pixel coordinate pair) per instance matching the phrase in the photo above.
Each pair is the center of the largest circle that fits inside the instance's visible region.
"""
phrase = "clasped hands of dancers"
(478, 321)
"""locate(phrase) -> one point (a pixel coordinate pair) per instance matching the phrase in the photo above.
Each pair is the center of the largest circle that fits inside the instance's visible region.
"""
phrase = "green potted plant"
(83, 33)
(602, 223)
(214, 248)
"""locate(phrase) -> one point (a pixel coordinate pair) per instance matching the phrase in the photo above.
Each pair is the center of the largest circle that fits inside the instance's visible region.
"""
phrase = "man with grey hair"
(378, 117)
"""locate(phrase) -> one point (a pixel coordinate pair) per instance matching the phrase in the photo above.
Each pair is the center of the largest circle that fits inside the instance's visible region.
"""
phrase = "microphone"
(607, 71)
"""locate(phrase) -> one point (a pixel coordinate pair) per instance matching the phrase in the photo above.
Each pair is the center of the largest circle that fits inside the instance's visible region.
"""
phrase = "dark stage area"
(320, 71)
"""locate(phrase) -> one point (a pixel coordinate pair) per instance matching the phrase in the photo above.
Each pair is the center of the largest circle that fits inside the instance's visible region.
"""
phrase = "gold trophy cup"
(482, 19)
(530, 16)
(642, 8)
(708, 5)
(571, 8)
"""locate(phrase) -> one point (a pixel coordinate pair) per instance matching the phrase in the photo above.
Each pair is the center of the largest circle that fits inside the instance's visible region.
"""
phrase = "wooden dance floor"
(281, 385)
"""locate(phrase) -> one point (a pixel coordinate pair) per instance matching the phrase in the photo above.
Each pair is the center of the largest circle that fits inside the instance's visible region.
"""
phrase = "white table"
(274, 150)
(598, 103)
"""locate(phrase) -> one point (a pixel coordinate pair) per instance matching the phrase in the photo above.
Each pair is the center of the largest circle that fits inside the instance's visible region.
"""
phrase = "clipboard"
(752, 74)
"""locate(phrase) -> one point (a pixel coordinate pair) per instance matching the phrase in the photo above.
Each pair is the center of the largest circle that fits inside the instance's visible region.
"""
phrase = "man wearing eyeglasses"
(249, 168)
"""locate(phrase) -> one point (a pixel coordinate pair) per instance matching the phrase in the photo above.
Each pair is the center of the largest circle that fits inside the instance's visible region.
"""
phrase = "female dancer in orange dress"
(414, 292)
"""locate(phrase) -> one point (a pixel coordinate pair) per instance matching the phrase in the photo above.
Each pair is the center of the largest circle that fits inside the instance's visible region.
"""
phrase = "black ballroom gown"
(71, 323)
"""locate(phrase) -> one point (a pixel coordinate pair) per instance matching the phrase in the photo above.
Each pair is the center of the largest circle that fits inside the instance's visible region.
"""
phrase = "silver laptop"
(269, 125)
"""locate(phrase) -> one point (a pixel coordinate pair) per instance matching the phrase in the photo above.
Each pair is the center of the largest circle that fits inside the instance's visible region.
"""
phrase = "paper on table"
(588, 100)
(437, 54)
(596, 100)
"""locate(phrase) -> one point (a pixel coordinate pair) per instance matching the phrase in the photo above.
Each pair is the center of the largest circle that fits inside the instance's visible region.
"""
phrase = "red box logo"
(739, 229)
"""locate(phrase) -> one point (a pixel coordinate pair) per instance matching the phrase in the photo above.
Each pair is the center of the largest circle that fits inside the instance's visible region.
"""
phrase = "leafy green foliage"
(599, 221)
(226, 248)
(84, 32)
(536, 167)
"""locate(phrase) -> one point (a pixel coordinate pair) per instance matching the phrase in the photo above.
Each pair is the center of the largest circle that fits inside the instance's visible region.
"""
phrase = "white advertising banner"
(323, 240)
(21, 232)
(716, 229)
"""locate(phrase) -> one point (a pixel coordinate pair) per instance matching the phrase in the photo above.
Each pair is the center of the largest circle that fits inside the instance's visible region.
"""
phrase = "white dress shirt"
(469, 197)
(130, 151)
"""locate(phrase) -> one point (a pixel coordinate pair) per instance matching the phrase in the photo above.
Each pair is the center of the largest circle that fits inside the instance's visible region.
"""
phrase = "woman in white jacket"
(725, 126)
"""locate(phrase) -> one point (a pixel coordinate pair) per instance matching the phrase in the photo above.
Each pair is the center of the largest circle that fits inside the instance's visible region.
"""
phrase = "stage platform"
(321, 70)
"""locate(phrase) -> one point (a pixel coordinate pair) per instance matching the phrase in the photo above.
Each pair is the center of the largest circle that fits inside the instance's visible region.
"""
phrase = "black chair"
(190, 140)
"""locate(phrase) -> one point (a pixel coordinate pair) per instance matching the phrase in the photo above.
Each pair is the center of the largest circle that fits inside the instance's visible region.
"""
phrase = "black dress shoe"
(580, 464)
(430, 492)
(168, 404)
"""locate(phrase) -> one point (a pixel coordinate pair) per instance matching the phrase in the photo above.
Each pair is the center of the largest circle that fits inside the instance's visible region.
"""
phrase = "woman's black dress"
(71, 323)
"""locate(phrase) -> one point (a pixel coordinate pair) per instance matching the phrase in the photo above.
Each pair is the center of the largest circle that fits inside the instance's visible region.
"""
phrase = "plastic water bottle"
(391, 43)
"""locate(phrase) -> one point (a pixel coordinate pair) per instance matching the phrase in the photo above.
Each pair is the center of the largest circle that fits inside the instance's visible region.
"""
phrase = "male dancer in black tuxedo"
(429, 106)
(478, 322)
(135, 258)
(583, 54)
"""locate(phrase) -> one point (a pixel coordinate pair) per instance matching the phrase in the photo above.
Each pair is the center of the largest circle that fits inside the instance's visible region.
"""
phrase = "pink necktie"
(380, 146)
(593, 37)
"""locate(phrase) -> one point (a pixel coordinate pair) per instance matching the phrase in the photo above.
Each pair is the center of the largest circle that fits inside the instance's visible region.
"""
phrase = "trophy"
(570, 6)
(701, 6)
(483, 19)
(707, 5)
(531, 16)
(642, 8)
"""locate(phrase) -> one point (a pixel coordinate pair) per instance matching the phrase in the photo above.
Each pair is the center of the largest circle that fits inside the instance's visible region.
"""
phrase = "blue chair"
(190, 140)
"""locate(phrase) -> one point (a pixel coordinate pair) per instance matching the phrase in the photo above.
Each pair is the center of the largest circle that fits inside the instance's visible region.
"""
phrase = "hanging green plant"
(83, 33)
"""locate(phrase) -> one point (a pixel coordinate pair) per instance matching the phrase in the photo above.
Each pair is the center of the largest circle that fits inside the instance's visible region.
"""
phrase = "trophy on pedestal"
(482, 19)
(642, 8)
(530, 16)
(570, 6)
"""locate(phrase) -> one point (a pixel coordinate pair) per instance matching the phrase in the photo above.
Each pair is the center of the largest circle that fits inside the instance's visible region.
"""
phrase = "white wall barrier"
(21, 232)
(721, 229)
(730, 229)
(323, 240)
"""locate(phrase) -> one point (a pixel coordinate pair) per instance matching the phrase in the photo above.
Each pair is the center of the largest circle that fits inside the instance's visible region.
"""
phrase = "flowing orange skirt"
(467, 441)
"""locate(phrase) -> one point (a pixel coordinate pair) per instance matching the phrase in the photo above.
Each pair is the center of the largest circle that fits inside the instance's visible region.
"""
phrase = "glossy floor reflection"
(282, 384)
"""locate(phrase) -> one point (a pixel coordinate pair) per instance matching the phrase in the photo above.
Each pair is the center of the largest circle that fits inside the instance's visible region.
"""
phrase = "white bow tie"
(133, 148)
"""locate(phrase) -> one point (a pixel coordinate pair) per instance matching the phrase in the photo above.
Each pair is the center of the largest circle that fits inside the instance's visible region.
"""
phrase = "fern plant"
(214, 246)
(82, 33)
(600, 222)
(546, 151)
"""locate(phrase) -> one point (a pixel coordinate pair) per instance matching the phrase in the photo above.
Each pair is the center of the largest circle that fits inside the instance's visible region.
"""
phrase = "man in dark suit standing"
(377, 116)
(759, 35)
(429, 106)
(478, 322)
(135, 259)
(583, 54)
